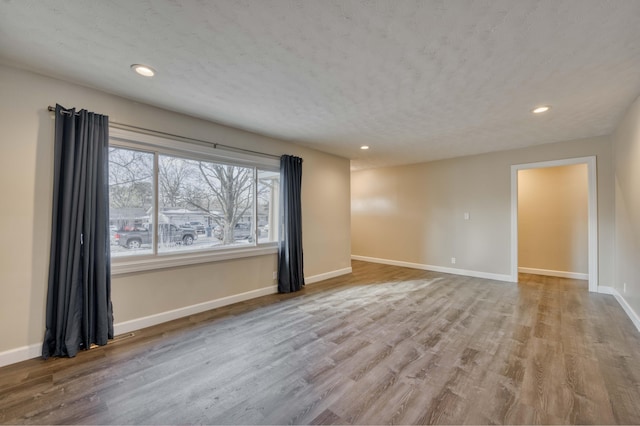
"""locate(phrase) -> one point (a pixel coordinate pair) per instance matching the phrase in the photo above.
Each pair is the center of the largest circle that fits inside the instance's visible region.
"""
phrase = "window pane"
(175, 231)
(203, 204)
(130, 201)
(268, 192)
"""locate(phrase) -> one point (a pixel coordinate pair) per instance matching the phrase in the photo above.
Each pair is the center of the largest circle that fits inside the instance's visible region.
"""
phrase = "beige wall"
(553, 218)
(627, 206)
(26, 157)
(415, 213)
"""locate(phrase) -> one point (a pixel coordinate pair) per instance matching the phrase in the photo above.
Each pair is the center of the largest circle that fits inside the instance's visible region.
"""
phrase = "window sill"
(119, 267)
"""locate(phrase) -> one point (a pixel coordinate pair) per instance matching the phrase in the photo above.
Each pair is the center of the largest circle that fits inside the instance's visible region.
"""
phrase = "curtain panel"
(290, 260)
(79, 311)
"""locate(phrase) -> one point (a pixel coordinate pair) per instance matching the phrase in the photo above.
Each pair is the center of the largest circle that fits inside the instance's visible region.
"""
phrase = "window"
(174, 199)
(130, 201)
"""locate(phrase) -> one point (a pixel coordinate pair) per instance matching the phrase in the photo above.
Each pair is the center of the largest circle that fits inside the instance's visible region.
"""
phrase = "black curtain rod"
(65, 112)
(184, 138)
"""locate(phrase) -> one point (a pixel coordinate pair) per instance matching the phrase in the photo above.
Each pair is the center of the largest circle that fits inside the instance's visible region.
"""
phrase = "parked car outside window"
(198, 226)
(134, 237)
(242, 231)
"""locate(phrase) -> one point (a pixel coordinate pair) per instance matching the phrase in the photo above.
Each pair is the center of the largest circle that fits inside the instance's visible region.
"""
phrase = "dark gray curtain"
(290, 264)
(79, 311)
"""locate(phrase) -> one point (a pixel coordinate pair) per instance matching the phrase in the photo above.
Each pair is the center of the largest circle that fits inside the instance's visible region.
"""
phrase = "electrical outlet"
(624, 287)
(275, 275)
(467, 216)
(453, 260)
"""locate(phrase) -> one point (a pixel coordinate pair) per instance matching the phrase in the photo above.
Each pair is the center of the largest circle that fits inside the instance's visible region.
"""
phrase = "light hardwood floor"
(383, 345)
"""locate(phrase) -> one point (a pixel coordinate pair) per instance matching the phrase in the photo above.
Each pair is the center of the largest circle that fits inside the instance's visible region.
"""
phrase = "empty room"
(320, 212)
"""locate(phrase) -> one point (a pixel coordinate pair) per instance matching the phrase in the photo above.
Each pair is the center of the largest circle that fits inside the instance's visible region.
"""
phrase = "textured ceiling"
(417, 80)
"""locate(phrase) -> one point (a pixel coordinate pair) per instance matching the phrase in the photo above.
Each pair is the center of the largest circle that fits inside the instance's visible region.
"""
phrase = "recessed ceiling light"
(541, 109)
(364, 147)
(143, 70)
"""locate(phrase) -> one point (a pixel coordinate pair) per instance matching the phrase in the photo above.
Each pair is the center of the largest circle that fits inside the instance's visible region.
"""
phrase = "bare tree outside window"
(173, 175)
(230, 189)
(130, 178)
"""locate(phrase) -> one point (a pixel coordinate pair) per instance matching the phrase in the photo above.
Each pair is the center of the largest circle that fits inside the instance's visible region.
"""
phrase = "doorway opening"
(592, 214)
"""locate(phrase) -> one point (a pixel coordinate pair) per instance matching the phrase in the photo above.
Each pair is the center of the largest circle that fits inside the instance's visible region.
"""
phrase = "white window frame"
(122, 138)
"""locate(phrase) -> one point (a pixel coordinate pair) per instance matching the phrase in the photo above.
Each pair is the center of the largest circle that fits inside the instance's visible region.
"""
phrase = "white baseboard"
(138, 323)
(552, 273)
(35, 350)
(621, 300)
(455, 271)
(332, 274)
(603, 289)
(20, 354)
(24, 353)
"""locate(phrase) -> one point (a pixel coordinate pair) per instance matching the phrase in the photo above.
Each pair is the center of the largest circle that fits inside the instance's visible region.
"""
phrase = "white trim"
(514, 223)
(465, 272)
(552, 273)
(137, 324)
(127, 265)
(162, 317)
(24, 353)
(593, 224)
(20, 354)
(332, 274)
(35, 350)
(606, 290)
(633, 316)
(592, 212)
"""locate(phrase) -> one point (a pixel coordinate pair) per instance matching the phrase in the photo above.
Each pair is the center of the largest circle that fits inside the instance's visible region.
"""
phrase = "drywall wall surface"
(26, 170)
(627, 207)
(416, 213)
(553, 219)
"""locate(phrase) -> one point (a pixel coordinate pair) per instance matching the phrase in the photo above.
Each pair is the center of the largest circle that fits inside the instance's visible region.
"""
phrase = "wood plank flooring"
(384, 345)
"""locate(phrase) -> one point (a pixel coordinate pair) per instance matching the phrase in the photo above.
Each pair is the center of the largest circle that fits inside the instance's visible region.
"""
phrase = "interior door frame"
(592, 212)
